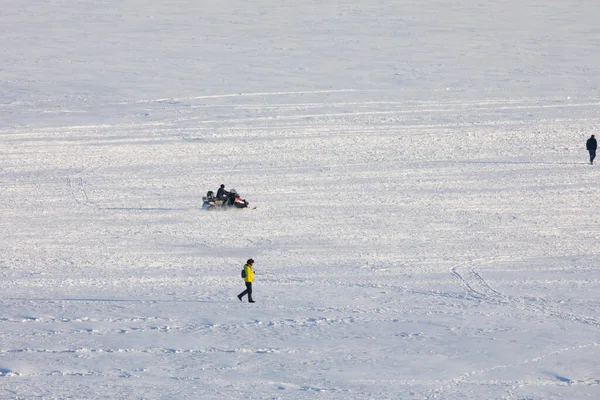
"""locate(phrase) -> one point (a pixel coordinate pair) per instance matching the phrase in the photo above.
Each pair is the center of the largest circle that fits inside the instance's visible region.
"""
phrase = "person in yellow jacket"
(248, 278)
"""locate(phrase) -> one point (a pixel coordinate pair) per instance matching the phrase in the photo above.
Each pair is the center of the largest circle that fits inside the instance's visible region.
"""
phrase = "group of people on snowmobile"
(223, 199)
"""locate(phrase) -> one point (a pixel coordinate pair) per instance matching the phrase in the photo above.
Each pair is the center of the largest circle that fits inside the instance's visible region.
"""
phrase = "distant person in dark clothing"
(222, 193)
(248, 278)
(591, 146)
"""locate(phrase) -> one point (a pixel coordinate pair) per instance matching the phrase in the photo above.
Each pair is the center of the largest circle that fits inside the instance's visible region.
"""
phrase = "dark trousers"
(248, 291)
(592, 155)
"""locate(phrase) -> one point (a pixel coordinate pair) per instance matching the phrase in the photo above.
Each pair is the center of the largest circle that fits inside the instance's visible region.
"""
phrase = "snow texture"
(426, 221)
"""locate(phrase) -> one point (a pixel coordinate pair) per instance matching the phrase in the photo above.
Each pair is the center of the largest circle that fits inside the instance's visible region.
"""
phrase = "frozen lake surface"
(426, 222)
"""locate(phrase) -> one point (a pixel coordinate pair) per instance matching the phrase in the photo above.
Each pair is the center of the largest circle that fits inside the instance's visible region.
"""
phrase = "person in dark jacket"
(248, 279)
(222, 193)
(591, 146)
(230, 199)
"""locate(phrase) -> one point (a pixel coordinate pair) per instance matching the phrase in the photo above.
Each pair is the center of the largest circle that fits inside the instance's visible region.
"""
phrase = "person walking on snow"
(591, 146)
(248, 278)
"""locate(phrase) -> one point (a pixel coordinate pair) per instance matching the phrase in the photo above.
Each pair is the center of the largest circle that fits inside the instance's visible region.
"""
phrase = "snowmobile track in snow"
(480, 289)
(77, 187)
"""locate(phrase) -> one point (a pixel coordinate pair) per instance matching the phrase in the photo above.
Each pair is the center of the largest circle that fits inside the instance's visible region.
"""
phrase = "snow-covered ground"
(426, 221)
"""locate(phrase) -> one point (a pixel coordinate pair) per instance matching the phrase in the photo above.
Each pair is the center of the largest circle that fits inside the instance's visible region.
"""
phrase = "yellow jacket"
(249, 273)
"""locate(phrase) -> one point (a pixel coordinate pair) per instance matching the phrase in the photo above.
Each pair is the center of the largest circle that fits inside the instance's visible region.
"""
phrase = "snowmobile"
(210, 202)
(232, 200)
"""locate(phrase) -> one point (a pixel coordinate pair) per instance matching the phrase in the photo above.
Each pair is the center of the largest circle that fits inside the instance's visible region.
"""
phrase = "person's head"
(222, 186)
(592, 136)
(250, 261)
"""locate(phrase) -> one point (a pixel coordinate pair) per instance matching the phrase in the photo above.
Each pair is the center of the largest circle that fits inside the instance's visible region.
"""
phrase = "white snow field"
(426, 221)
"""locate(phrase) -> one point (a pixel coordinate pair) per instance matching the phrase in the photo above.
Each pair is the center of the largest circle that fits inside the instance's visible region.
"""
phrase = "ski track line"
(111, 352)
(218, 96)
(50, 131)
(341, 114)
(227, 304)
(406, 108)
(155, 350)
(442, 108)
(84, 320)
(410, 109)
(396, 124)
(589, 101)
(203, 328)
(463, 378)
(416, 104)
(495, 382)
(194, 134)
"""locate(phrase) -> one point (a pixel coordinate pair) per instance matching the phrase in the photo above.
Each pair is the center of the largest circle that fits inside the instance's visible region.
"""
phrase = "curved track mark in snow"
(480, 289)
(476, 284)
(77, 188)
